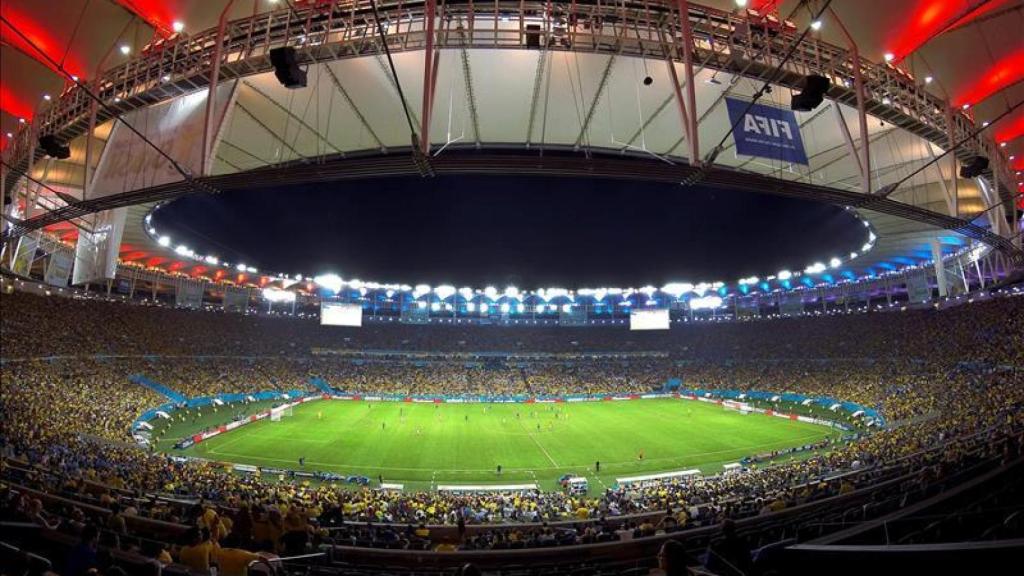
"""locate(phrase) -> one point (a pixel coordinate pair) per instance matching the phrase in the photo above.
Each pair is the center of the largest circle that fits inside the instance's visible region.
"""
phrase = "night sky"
(530, 232)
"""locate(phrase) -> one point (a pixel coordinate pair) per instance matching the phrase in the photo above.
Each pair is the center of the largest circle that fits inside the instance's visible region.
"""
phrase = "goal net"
(277, 413)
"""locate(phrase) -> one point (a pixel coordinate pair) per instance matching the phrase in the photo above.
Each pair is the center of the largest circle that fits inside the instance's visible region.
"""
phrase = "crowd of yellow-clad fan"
(955, 376)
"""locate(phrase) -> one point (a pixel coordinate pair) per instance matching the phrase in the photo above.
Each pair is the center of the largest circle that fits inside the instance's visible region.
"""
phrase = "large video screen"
(649, 319)
(340, 314)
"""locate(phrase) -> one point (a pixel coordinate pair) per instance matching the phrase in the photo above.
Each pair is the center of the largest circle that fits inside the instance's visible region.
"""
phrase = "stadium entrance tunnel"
(528, 231)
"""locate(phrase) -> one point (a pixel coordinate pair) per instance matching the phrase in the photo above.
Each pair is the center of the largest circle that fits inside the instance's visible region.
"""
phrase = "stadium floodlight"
(853, 255)
(784, 275)
(552, 293)
(483, 307)
(183, 250)
(211, 260)
(420, 290)
(505, 307)
(276, 295)
(677, 289)
(177, 26)
(566, 308)
(164, 241)
(435, 306)
(648, 290)
(444, 291)
(125, 49)
(491, 292)
(466, 292)
(513, 292)
(834, 262)
(816, 25)
(470, 307)
(251, 269)
(421, 304)
(872, 237)
(815, 268)
(330, 282)
(240, 267)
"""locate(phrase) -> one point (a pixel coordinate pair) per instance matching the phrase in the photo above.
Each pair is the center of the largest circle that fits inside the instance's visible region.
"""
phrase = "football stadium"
(454, 287)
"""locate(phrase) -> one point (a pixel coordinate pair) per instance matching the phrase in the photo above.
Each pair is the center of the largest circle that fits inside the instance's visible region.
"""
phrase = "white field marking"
(689, 457)
(226, 443)
(538, 445)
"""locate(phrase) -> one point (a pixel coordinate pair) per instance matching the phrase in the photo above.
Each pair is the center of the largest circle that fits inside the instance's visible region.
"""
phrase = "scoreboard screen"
(649, 319)
(340, 314)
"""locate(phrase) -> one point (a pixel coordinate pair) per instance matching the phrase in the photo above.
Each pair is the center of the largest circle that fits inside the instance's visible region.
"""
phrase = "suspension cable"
(710, 159)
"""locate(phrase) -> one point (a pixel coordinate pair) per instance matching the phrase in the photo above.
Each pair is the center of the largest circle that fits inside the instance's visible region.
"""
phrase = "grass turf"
(423, 445)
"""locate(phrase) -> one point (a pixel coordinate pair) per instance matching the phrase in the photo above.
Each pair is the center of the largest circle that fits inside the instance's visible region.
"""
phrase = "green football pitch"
(424, 445)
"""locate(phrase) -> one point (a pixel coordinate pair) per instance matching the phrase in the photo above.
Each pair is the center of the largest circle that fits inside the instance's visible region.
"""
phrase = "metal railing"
(722, 40)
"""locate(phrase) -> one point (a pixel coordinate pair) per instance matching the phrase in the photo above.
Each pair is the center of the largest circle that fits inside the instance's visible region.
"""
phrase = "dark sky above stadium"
(527, 231)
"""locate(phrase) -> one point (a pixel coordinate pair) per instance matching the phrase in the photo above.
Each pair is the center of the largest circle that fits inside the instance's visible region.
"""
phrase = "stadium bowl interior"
(344, 287)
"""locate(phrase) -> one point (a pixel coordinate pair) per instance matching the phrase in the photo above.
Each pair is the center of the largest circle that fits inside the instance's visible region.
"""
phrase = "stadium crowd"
(952, 379)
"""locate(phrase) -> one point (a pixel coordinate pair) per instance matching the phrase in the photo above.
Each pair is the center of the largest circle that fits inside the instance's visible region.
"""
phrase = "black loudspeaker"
(54, 148)
(533, 35)
(286, 67)
(812, 94)
(974, 167)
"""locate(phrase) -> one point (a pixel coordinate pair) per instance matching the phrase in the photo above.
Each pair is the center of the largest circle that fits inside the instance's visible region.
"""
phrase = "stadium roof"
(587, 100)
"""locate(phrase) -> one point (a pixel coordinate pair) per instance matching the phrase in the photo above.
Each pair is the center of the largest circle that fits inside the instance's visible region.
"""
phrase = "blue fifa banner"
(766, 132)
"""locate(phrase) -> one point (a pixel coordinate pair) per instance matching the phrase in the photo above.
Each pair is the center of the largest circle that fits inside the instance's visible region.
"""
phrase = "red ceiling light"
(1010, 129)
(156, 13)
(927, 19)
(1007, 71)
(11, 104)
(39, 38)
(132, 256)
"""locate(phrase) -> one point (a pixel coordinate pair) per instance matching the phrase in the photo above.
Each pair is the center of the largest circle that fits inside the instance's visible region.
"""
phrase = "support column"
(940, 270)
(862, 117)
(674, 78)
(429, 72)
(951, 135)
(691, 90)
(87, 172)
(211, 92)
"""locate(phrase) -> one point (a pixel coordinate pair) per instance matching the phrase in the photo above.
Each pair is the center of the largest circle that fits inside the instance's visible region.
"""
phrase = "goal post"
(277, 413)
